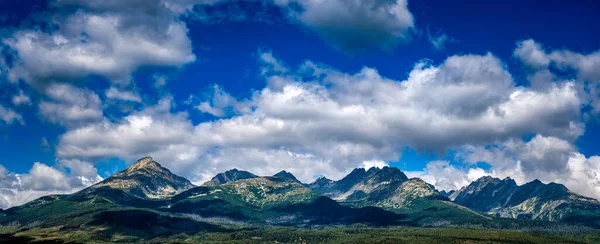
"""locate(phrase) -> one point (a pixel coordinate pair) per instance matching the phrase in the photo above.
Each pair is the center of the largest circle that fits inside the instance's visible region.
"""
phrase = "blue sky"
(503, 88)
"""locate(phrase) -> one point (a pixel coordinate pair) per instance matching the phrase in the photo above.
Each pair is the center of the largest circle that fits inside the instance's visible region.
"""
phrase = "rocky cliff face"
(447, 193)
(229, 176)
(144, 179)
(385, 187)
(485, 194)
(534, 200)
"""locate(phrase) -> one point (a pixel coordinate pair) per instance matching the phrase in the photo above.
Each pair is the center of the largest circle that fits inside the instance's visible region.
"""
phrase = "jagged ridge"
(386, 187)
(229, 176)
(534, 200)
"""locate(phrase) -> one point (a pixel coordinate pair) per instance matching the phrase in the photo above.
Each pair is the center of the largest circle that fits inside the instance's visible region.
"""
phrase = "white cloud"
(109, 39)
(21, 99)
(114, 93)
(540, 154)
(151, 130)
(43, 177)
(70, 105)
(531, 54)
(353, 25)
(221, 104)
(445, 176)
(41, 180)
(336, 121)
(9, 116)
(584, 175)
(583, 69)
(82, 173)
(367, 164)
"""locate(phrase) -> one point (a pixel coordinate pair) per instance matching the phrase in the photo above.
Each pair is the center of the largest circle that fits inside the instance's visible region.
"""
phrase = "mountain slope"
(286, 175)
(144, 184)
(534, 200)
(144, 179)
(229, 176)
(247, 199)
(386, 187)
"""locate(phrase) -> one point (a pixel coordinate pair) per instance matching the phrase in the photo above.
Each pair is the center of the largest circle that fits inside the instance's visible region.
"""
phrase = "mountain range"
(534, 200)
(149, 200)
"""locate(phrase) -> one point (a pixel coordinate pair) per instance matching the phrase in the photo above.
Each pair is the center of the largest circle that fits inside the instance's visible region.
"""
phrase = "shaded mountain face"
(386, 187)
(286, 175)
(485, 194)
(322, 184)
(447, 193)
(145, 179)
(534, 200)
(229, 176)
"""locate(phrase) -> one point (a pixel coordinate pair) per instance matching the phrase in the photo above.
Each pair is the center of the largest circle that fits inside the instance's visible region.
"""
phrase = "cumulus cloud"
(353, 25)
(538, 156)
(547, 67)
(584, 175)
(41, 180)
(108, 38)
(221, 104)
(445, 176)
(150, 130)
(43, 177)
(337, 121)
(70, 106)
(82, 173)
(531, 54)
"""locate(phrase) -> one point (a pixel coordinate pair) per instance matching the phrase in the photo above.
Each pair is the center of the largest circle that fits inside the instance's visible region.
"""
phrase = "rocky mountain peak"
(229, 176)
(387, 187)
(487, 180)
(536, 182)
(322, 184)
(387, 174)
(144, 163)
(286, 175)
(145, 179)
(373, 170)
(358, 172)
(533, 200)
(322, 181)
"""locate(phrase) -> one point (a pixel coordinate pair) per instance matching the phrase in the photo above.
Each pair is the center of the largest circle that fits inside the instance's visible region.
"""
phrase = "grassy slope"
(334, 235)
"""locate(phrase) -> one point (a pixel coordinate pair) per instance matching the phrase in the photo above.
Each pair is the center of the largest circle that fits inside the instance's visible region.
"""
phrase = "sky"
(448, 91)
